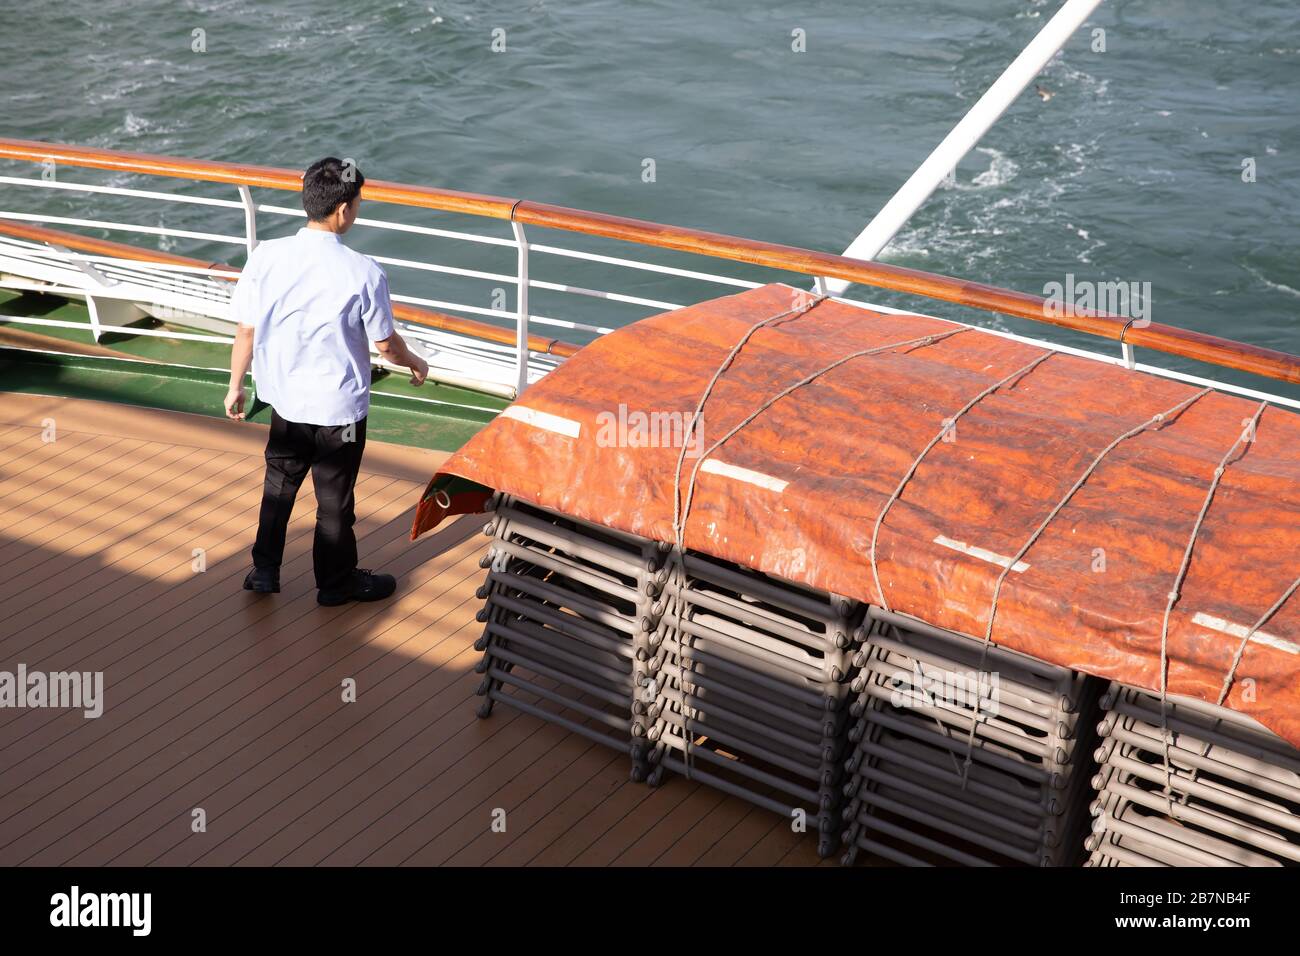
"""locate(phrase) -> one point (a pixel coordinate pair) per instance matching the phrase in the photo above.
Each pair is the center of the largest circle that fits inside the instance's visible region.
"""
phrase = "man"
(307, 308)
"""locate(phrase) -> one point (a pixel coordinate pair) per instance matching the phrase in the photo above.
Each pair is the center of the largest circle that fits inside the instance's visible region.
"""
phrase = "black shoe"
(263, 580)
(363, 586)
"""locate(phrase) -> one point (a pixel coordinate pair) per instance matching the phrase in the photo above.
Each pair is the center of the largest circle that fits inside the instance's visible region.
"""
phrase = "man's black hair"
(328, 182)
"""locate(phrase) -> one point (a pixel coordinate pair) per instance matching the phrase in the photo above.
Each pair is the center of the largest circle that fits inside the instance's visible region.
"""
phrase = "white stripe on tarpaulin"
(983, 554)
(714, 467)
(543, 420)
(1238, 630)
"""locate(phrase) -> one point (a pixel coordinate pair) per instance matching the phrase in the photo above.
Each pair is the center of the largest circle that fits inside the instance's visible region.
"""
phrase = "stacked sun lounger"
(751, 684)
(874, 731)
(569, 610)
(912, 798)
(1231, 796)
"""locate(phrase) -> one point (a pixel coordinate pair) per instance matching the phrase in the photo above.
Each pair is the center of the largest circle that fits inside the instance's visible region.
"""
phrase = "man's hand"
(395, 351)
(241, 357)
(235, 403)
(419, 370)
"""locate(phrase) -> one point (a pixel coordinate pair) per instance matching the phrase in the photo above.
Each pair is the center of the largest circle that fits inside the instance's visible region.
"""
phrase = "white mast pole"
(966, 134)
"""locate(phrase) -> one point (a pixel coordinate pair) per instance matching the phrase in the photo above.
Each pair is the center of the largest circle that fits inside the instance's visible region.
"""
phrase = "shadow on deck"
(231, 703)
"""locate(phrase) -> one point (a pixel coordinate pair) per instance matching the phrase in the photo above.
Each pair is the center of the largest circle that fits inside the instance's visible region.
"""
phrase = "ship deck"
(229, 703)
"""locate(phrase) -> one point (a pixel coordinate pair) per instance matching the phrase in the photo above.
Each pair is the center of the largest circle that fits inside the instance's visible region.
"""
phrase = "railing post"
(250, 219)
(521, 312)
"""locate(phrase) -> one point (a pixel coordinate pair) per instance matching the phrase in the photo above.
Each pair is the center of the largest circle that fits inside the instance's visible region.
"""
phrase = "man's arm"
(244, 308)
(377, 317)
(241, 358)
(395, 351)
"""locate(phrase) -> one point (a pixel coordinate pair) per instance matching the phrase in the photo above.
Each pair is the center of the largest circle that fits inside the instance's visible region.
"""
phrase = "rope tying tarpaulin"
(802, 303)
(1246, 436)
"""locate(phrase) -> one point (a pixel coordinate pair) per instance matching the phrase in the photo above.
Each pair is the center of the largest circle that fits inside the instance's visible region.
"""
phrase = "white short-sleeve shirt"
(314, 306)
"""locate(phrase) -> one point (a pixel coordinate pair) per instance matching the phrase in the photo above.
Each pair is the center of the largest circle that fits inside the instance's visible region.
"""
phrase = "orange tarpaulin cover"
(797, 491)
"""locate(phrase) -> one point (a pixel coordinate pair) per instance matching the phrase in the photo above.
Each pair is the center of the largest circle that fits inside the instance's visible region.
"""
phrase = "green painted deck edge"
(201, 391)
(435, 416)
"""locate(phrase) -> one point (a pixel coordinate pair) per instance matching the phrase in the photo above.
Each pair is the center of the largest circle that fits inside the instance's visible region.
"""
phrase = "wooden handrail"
(219, 270)
(245, 174)
(1198, 346)
(1172, 340)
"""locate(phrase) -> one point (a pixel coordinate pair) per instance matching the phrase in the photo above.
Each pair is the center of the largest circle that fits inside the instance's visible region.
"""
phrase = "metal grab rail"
(1198, 346)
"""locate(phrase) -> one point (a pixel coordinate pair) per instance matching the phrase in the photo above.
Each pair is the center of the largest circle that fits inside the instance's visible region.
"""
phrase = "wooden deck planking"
(228, 701)
(237, 773)
(210, 692)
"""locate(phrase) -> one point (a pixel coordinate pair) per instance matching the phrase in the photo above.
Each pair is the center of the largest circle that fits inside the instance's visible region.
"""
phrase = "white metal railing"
(123, 227)
(501, 369)
(521, 280)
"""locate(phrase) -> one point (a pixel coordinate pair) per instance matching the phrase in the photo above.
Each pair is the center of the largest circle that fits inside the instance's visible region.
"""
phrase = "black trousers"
(333, 453)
